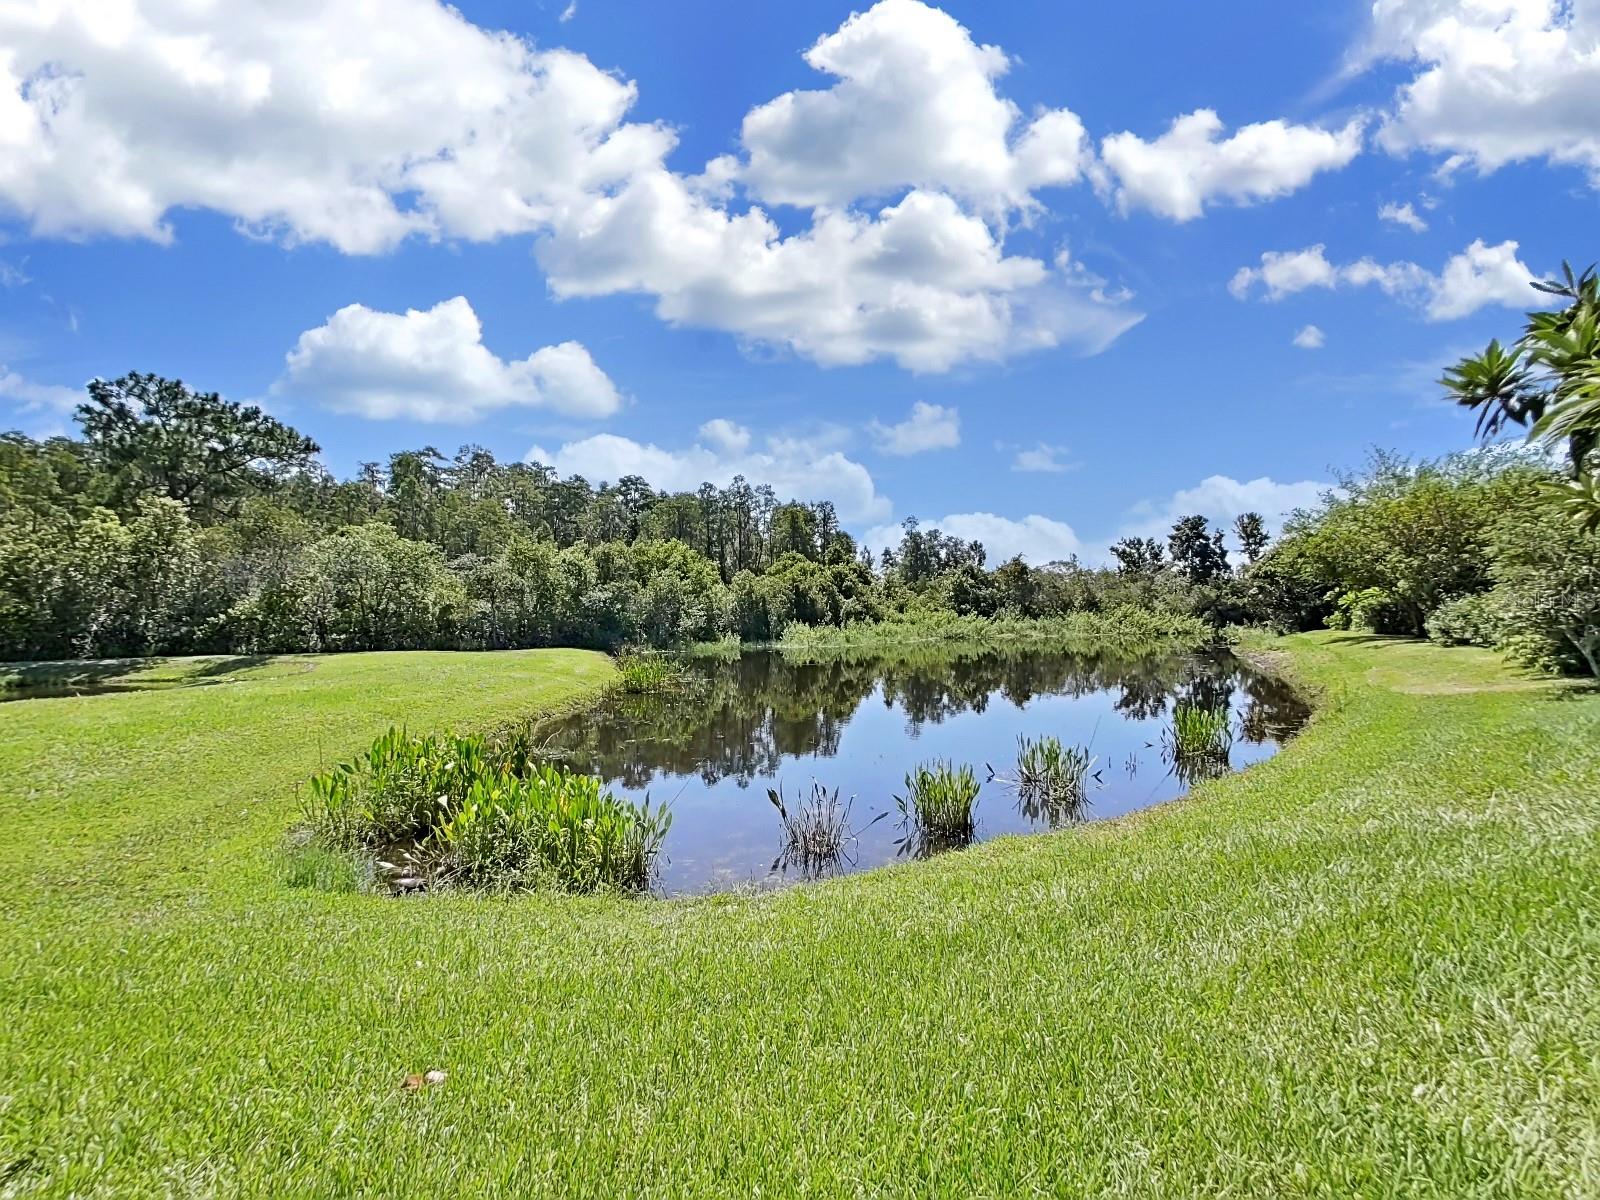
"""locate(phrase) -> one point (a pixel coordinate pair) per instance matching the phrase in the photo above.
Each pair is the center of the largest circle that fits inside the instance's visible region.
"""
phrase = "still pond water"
(763, 721)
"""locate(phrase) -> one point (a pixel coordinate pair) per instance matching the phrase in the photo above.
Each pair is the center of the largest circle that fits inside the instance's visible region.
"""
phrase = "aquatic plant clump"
(1052, 779)
(551, 827)
(644, 674)
(1199, 732)
(938, 805)
(817, 835)
(472, 812)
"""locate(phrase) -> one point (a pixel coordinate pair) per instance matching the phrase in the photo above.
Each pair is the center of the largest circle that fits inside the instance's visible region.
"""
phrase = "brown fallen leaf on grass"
(415, 1083)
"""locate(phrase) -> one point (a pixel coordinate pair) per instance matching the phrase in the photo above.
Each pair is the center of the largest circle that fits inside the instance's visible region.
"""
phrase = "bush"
(1547, 587)
(1467, 621)
(1370, 610)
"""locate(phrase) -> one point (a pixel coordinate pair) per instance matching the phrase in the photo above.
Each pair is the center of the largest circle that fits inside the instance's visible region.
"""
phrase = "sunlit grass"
(1365, 967)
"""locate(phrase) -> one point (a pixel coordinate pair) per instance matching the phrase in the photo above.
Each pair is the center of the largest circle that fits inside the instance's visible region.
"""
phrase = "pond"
(764, 720)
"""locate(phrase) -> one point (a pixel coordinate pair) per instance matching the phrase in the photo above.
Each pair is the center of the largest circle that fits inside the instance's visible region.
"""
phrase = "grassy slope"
(1366, 967)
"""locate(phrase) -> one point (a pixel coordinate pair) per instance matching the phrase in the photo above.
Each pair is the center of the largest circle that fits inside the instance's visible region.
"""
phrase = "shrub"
(1372, 610)
(1547, 587)
(1466, 621)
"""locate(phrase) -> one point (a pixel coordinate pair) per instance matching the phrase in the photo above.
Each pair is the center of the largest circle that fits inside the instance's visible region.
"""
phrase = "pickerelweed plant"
(647, 674)
(478, 813)
(937, 808)
(1051, 780)
(1199, 731)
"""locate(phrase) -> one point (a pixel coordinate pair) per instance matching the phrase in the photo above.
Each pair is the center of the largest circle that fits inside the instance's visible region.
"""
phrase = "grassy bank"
(1365, 967)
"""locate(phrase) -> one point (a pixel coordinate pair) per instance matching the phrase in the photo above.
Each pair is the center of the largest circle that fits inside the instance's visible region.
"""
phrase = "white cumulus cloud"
(922, 282)
(915, 106)
(1038, 539)
(1481, 275)
(1221, 498)
(1192, 165)
(353, 124)
(432, 365)
(795, 467)
(725, 435)
(1283, 273)
(43, 408)
(929, 427)
(1310, 338)
(364, 125)
(34, 397)
(1497, 81)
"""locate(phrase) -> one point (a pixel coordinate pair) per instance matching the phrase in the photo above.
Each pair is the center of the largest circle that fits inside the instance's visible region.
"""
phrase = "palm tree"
(1549, 381)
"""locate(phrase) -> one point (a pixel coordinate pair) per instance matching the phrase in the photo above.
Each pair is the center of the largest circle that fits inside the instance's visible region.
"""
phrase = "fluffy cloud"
(915, 106)
(1037, 539)
(36, 397)
(1479, 276)
(1042, 458)
(361, 129)
(1498, 81)
(433, 366)
(1402, 214)
(726, 436)
(333, 123)
(1221, 499)
(1310, 338)
(794, 467)
(929, 427)
(1283, 273)
(1191, 165)
(923, 281)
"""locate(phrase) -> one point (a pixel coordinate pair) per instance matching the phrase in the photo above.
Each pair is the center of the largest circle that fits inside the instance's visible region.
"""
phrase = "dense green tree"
(1251, 530)
(1196, 550)
(160, 438)
(1546, 598)
(368, 588)
(1139, 555)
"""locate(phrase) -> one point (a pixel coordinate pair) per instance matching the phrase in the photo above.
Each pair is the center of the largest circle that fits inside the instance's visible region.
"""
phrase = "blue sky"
(1042, 273)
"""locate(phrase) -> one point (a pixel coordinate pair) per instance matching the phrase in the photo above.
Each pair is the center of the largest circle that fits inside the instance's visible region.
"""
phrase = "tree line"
(179, 522)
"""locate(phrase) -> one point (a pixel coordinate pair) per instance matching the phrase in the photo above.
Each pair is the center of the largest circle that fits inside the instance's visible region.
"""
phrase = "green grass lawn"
(1367, 967)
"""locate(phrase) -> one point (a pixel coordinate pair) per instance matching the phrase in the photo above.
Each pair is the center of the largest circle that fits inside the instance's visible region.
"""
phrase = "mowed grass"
(1367, 967)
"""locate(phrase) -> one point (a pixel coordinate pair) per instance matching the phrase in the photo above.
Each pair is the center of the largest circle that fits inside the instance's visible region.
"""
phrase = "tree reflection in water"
(749, 716)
